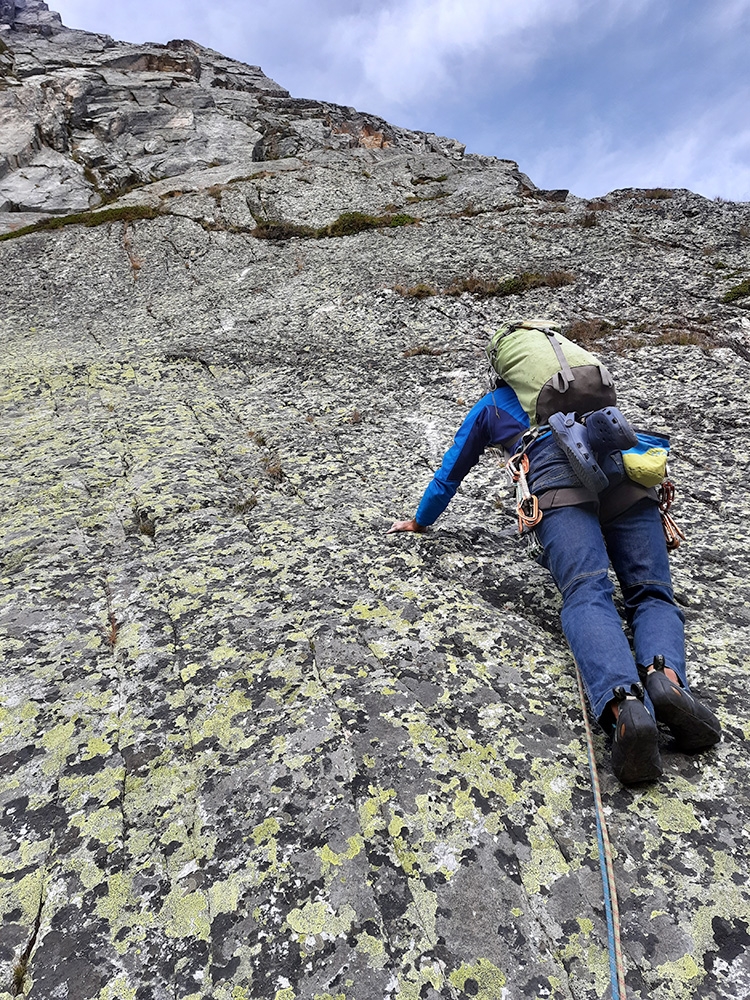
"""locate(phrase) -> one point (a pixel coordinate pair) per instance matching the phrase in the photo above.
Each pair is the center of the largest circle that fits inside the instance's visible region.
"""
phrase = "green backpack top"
(548, 372)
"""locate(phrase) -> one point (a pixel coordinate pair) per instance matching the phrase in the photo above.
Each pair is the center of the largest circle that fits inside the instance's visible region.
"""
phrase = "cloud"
(408, 49)
(705, 154)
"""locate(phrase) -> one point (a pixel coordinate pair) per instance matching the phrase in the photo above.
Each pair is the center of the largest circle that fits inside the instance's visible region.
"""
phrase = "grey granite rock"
(250, 746)
(7, 11)
(130, 114)
(49, 183)
(32, 15)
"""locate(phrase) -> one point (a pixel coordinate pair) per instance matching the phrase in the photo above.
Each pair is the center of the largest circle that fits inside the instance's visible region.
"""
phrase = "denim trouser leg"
(578, 551)
(635, 542)
(576, 555)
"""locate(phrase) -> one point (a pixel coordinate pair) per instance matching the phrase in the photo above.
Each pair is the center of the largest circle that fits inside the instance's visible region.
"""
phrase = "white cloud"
(407, 49)
(410, 48)
(706, 155)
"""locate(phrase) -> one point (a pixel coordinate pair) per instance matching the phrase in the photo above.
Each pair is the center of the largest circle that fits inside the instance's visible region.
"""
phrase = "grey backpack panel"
(585, 393)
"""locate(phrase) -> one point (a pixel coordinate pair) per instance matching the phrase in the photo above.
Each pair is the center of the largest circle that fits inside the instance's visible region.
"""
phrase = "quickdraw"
(672, 534)
(527, 505)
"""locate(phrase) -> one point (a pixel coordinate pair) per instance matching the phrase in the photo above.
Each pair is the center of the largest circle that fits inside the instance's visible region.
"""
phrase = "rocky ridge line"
(83, 117)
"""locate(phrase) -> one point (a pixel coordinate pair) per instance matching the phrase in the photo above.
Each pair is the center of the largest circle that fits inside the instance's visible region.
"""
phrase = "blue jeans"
(578, 551)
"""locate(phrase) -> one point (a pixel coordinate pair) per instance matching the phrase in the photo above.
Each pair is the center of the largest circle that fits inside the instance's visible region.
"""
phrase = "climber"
(581, 532)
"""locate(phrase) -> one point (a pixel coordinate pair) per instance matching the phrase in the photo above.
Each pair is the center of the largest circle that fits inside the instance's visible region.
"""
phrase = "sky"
(589, 95)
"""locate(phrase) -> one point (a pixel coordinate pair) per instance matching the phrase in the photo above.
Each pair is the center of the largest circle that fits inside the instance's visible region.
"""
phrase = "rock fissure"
(23, 966)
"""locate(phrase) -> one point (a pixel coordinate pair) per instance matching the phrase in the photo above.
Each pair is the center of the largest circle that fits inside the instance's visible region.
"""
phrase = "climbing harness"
(527, 505)
(672, 534)
(611, 906)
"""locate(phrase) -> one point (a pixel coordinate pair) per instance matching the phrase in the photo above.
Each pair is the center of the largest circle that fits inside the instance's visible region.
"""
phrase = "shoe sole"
(693, 726)
(640, 766)
(609, 430)
(640, 758)
(573, 441)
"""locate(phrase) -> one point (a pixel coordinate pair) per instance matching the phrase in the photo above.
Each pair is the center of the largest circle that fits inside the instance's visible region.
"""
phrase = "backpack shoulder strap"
(562, 379)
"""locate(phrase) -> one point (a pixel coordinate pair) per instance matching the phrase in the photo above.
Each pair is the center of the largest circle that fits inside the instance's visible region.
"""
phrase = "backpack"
(548, 372)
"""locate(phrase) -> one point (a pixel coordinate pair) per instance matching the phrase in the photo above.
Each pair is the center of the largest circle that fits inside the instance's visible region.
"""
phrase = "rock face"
(124, 115)
(251, 747)
(29, 15)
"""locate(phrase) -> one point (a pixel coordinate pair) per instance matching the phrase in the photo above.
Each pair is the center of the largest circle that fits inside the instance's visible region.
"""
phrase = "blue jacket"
(497, 419)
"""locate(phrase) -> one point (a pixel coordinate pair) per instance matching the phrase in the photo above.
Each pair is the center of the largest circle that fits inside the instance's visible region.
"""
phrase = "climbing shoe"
(572, 437)
(693, 726)
(609, 430)
(635, 747)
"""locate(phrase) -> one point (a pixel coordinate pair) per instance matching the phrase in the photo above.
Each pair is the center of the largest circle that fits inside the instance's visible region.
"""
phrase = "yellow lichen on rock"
(485, 980)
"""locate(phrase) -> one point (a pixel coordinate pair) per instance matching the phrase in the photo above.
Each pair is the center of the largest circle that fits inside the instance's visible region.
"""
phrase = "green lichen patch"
(480, 979)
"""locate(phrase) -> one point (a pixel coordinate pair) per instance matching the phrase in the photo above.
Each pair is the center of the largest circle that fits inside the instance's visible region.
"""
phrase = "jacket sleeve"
(497, 419)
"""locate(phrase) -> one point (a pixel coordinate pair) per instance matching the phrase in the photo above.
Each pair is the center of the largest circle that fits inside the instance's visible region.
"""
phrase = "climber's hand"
(410, 525)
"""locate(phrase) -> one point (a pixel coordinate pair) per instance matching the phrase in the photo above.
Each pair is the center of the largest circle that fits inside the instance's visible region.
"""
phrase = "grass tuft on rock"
(358, 222)
(281, 231)
(423, 349)
(738, 292)
(347, 224)
(423, 290)
(517, 284)
(589, 332)
(129, 213)
(657, 194)
(683, 338)
(483, 288)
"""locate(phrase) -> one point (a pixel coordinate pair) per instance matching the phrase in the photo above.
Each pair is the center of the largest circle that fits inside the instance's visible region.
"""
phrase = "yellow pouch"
(648, 468)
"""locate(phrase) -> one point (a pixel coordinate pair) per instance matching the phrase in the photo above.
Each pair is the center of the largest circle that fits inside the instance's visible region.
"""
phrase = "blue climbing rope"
(611, 907)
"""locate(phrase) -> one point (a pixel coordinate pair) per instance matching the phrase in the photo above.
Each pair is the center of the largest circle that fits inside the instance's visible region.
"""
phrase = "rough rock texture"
(124, 114)
(251, 747)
